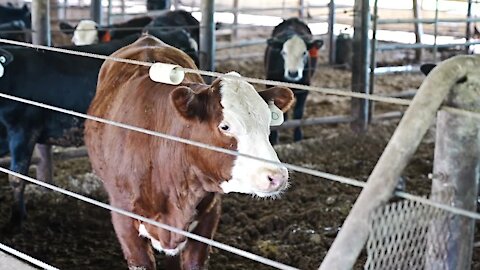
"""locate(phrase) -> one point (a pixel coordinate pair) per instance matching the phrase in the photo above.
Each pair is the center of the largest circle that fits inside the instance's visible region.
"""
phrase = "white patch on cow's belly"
(142, 231)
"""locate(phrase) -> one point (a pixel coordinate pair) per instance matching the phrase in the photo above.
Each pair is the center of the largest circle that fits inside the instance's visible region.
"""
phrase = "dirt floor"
(296, 229)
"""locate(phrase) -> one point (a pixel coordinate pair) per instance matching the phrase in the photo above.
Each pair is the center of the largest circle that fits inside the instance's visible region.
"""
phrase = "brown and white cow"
(169, 182)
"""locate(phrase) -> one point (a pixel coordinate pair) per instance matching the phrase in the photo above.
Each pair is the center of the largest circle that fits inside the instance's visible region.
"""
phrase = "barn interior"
(366, 80)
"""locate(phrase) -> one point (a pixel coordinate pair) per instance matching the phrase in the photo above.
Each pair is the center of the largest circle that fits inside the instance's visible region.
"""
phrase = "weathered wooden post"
(41, 36)
(456, 172)
(360, 79)
(418, 30)
(401, 147)
(96, 11)
(207, 37)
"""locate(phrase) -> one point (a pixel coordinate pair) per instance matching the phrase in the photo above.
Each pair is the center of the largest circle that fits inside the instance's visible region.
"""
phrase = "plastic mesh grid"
(402, 233)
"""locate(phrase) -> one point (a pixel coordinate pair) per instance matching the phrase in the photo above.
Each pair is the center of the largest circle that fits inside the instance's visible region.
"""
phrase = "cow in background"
(86, 32)
(14, 22)
(167, 181)
(9, 13)
(62, 80)
(291, 56)
(177, 28)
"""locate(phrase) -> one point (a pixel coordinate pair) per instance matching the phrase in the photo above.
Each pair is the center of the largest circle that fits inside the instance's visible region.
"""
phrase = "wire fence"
(337, 178)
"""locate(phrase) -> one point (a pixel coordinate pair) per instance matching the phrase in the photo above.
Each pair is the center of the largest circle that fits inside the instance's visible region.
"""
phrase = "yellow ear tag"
(277, 114)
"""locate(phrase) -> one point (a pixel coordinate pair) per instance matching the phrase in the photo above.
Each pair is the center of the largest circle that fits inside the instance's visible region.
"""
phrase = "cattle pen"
(360, 219)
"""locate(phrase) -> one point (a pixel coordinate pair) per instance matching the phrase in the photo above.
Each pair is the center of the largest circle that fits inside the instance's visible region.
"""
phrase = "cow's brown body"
(126, 94)
(167, 181)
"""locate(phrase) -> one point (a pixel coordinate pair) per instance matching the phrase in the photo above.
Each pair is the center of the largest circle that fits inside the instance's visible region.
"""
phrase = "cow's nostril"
(270, 178)
(293, 74)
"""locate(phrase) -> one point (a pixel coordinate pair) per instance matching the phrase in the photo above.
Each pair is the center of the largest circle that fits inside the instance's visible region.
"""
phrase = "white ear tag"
(166, 73)
(2, 61)
(277, 114)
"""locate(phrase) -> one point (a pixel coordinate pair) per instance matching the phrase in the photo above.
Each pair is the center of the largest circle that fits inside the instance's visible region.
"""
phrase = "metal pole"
(382, 181)
(96, 11)
(65, 4)
(109, 12)
(435, 33)
(207, 37)
(468, 32)
(361, 107)
(331, 35)
(41, 22)
(235, 19)
(373, 51)
(42, 36)
(301, 10)
(418, 30)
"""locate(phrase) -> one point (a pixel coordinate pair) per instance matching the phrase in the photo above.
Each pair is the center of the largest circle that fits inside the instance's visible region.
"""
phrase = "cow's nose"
(278, 180)
(293, 74)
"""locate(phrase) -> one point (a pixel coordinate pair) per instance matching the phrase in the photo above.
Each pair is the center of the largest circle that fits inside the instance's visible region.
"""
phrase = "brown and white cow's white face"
(295, 56)
(85, 33)
(246, 117)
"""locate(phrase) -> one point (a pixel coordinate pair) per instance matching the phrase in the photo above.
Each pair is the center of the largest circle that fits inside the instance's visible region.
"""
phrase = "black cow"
(9, 13)
(14, 23)
(62, 80)
(177, 28)
(175, 19)
(291, 56)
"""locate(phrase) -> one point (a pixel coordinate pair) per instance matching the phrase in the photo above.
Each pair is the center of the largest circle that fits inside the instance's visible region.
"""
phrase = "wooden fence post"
(456, 172)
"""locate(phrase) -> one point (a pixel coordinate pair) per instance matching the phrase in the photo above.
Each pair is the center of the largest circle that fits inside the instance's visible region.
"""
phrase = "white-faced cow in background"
(291, 56)
(167, 181)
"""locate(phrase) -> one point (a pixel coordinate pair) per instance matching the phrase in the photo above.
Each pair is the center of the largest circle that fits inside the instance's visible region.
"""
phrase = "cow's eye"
(305, 53)
(283, 53)
(224, 127)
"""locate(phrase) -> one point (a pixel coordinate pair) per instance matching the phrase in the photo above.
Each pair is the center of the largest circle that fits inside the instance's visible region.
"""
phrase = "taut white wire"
(153, 222)
(26, 257)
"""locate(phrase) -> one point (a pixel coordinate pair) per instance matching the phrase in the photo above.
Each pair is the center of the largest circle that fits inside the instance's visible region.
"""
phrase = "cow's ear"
(281, 96)
(316, 43)
(66, 28)
(188, 104)
(426, 68)
(274, 43)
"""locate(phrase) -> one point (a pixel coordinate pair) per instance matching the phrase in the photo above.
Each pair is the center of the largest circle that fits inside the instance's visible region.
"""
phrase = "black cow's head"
(295, 51)
(180, 39)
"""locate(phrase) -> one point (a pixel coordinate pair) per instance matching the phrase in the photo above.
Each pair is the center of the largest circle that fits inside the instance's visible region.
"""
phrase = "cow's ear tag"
(166, 73)
(3, 60)
(277, 114)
